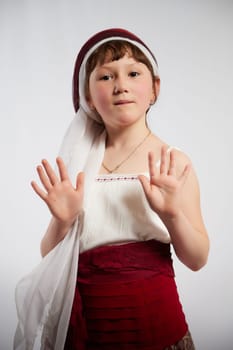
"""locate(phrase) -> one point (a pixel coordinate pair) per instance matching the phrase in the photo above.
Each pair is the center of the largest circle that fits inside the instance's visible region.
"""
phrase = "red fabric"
(129, 299)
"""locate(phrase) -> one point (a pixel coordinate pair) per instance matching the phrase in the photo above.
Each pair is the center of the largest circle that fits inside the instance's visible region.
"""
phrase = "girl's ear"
(156, 89)
(90, 103)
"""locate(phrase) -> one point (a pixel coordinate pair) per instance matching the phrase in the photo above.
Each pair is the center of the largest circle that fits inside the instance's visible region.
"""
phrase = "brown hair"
(111, 51)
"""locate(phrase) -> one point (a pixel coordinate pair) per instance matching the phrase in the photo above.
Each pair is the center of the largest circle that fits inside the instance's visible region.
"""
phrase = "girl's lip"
(122, 102)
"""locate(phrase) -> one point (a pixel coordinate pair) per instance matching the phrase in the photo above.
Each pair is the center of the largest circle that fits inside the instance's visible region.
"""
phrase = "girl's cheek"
(101, 94)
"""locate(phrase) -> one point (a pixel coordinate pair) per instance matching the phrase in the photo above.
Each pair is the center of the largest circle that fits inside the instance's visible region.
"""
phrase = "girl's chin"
(124, 119)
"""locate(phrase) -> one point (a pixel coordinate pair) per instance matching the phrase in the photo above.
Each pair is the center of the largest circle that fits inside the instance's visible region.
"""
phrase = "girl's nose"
(120, 86)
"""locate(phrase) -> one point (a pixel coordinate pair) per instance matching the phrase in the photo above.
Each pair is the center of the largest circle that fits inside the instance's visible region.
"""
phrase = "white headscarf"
(44, 297)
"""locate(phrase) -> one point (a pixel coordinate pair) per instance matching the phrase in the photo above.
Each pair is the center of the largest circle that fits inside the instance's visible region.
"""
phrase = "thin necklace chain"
(110, 171)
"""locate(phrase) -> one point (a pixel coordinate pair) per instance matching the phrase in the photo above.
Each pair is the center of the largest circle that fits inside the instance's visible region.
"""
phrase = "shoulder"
(181, 157)
(182, 160)
(157, 143)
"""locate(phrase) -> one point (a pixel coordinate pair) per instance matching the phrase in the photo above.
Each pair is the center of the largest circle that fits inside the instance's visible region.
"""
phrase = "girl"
(120, 197)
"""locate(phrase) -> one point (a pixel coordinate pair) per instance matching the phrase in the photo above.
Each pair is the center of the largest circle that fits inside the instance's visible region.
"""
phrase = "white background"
(193, 42)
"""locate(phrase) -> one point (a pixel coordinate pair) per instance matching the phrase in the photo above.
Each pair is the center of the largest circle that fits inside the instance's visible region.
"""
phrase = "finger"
(44, 178)
(163, 160)
(38, 190)
(80, 181)
(50, 172)
(62, 169)
(151, 164)
(172, 164)
(185, 173)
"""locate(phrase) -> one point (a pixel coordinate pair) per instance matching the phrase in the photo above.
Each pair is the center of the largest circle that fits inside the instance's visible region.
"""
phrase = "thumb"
(145, 184)
(80, 181)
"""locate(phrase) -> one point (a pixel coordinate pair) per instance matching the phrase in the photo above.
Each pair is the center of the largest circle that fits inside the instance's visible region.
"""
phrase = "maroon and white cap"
(91, 44)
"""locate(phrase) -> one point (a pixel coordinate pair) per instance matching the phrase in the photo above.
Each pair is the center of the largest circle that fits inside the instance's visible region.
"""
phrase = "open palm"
(63, 200)
(163, 188)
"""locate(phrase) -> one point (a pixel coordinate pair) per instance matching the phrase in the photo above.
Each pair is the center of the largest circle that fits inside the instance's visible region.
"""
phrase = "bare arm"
(63, 200)
(173, 193)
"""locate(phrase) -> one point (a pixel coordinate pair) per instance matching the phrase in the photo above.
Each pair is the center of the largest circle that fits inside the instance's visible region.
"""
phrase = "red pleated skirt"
(126, 298)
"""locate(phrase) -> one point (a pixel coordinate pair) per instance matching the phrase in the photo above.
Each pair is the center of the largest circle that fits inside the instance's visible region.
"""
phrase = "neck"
(126, 137)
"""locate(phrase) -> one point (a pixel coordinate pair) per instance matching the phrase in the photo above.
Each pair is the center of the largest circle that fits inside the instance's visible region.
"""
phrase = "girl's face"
(121, 91)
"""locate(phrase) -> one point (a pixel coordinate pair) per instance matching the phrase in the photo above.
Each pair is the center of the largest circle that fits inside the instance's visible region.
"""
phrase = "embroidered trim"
(116, 178)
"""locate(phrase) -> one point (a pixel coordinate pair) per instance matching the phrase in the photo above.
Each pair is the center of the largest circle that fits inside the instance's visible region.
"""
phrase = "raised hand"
(63, 200)
(163, 189)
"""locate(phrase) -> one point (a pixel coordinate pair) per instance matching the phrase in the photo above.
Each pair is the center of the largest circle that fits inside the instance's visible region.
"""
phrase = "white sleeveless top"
(118, 212)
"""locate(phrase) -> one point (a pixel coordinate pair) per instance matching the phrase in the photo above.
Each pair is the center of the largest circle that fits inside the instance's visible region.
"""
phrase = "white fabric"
(37, 292)
(44, 297)
(117, 212)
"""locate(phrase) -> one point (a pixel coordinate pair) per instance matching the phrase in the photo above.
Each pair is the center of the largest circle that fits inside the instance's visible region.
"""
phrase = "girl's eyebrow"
(106, 65)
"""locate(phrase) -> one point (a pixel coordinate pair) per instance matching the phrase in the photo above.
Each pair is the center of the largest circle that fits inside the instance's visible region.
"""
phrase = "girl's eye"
(106, 77)
(134, 74)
